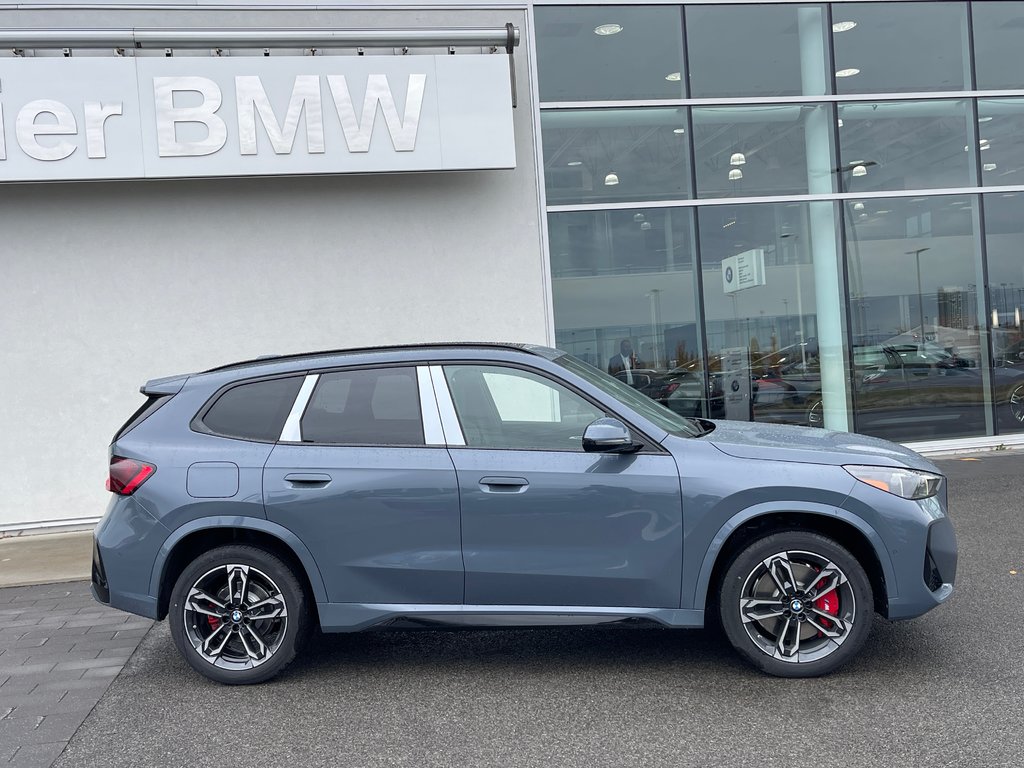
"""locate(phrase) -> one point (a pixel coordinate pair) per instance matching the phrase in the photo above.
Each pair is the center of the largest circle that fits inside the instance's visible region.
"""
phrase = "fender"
(760, 510)
(251, 523)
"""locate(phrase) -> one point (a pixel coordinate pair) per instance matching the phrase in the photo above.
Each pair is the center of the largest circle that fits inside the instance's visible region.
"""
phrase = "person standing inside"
(626, 361)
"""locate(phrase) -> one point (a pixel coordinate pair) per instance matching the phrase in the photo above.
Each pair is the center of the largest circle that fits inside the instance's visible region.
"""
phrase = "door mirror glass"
(607, 436)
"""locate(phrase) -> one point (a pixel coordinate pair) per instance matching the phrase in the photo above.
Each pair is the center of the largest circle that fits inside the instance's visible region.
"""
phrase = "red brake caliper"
(214, 622)
(828, 603)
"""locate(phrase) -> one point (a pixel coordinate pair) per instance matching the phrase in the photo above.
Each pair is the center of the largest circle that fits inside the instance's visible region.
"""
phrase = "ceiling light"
(674, 77)
(729, 223)
(840, 122)
(738, 158)
(638, 217)
(858, 206)
(843, 26)
(848, 72)
(679, 131)
(988, 167)
(574, 163)
(735, 174)
(607, 29)
(983, 144)
(611, 179)
(860, 170)
(984, 119)
(882, 213)
(646, 225)
(995, 318)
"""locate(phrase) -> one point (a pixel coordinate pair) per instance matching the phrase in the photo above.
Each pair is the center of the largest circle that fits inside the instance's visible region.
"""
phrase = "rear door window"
(253, 411)
(365, 407)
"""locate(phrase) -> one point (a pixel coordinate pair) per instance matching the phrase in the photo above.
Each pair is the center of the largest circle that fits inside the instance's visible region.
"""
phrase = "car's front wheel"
(796, 604)
(238, 615)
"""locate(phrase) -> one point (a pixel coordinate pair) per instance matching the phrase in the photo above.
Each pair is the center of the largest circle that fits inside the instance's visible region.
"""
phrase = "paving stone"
(88, 664)
(79, 655)
(103, 672)
(37, 755)
(19, 670)
(64, 631)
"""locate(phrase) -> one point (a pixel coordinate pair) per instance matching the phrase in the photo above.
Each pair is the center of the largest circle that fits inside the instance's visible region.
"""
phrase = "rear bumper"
(124, 548)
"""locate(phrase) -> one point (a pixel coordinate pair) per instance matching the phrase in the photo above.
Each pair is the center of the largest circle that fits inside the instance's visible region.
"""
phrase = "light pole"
(920, 298)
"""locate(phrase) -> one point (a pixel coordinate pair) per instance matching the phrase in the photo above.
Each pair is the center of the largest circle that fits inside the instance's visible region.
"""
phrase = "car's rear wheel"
(1016, 404)
(796, 604)
(238, 615)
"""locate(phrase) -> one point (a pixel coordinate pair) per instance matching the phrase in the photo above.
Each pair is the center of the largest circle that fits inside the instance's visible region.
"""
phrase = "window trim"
(650, 445)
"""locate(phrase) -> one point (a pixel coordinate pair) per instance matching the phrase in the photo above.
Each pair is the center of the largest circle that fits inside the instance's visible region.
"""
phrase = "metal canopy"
(505, 37)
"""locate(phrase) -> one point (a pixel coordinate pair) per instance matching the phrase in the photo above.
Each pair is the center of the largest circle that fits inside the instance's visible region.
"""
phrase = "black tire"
(272, 613)
(814, 639)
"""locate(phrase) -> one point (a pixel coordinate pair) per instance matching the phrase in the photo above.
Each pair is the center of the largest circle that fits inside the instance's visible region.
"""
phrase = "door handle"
(504, 484)
(308, 479)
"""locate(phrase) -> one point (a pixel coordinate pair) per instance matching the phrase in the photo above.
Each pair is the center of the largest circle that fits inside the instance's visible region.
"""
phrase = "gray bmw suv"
(491, 485)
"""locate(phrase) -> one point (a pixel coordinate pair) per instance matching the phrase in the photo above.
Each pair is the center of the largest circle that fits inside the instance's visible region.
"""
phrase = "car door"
(543, 522)
(370, 488)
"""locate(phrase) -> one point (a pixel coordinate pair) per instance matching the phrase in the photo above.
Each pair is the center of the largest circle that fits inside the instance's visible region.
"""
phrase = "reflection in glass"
(918, 363)
(756, 50)
(609, 53)
(897, 145)
(750, 151)
(1004, 246)
(900, 47)
(1001, 141)
(615, 154)
(623, 284)
(761, 319)
(998, 54)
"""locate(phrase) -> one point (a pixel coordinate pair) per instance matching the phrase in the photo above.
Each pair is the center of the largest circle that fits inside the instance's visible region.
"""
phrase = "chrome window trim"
(809, 99)
(446, 408)
(292, 430)
(433, 432)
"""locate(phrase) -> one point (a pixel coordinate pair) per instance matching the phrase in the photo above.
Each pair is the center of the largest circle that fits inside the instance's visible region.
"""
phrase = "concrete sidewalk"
(45, 558)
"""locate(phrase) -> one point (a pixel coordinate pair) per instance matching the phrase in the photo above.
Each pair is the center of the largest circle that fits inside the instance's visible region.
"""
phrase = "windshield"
(649, 409)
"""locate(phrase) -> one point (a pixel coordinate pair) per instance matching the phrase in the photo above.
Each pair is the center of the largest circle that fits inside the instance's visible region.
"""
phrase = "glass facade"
(802, 213)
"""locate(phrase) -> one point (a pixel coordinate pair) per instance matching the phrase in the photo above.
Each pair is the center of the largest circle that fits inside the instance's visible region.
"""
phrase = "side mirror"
(608, 436)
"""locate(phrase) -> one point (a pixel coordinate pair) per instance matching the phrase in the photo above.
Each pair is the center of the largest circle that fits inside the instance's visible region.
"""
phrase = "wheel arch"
(191, 540)
(848, 530)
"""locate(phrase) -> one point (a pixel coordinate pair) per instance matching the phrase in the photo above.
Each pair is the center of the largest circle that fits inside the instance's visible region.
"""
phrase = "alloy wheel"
(235, 617)
(1017, 404)
(797, 606)
(815, 415)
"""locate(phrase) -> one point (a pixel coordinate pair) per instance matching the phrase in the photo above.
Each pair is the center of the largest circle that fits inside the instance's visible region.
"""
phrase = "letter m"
(251, 99)
(359, 130)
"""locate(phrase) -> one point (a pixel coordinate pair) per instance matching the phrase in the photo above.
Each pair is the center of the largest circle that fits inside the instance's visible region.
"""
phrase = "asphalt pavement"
(946, 689)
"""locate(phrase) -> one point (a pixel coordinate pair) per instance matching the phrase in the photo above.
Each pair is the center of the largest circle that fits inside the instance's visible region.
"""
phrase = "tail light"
(126, 475)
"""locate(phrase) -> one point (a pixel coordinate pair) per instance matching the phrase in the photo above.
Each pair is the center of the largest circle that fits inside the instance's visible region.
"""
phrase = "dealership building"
(806, 213)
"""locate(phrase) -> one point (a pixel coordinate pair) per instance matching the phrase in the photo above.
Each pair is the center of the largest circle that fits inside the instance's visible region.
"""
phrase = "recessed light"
(984, 119)
(848, 72)
(574, 163)
(843, 26)
(607, 29)
(674, 77)
(679, 131)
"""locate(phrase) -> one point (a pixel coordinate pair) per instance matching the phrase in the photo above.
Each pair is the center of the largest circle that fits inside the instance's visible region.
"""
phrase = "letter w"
(359, 130)
(251, 98)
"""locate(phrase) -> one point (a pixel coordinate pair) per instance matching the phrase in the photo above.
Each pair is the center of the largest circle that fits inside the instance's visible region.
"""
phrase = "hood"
(777, 442)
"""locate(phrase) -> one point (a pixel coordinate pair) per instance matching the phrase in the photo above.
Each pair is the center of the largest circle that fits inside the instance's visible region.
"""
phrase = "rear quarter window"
(252, 411)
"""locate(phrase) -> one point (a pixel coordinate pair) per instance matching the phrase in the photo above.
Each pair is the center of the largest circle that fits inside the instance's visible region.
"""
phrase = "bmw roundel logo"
(735, 386)
(797, 606)
(728, 274)
(236, 616)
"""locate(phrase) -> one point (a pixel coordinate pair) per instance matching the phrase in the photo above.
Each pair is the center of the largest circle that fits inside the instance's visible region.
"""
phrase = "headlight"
(905, 483)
